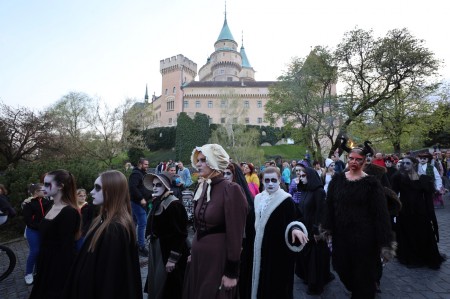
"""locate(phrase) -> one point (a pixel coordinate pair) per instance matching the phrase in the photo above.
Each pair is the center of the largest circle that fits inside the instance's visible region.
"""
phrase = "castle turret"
(247, 72)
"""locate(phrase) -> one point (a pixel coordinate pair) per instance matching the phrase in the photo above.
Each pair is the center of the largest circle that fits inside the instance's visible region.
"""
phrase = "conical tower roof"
(225, 33)
(245, 62)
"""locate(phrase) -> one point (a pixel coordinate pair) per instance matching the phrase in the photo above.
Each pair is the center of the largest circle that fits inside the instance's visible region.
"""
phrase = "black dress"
(417, 227)
(56, 254)
(111, 271)
(358, 219)
(313, 262)
(167, 228)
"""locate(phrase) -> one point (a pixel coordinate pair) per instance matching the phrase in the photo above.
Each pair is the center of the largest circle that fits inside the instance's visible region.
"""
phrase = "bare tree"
(23, 134)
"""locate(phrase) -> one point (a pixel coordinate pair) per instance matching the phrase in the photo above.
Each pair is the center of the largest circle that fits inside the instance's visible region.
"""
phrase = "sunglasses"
(97, 187)
(47, 184)
(303, 175)
(158, 185)
(270, 180)
(227, 173)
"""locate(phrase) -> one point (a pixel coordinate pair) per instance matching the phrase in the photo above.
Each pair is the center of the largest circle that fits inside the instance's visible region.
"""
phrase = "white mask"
(50, 187)
(423, 160)
(158, 188)
(271, 182)
(97, 192)
(228, 175)
(303, 178)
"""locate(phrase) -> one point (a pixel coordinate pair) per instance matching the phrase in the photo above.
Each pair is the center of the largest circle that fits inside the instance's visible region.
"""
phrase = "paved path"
(398, 281)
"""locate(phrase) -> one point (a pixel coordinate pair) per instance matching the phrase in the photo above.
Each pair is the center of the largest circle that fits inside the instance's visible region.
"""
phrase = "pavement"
(397, 282)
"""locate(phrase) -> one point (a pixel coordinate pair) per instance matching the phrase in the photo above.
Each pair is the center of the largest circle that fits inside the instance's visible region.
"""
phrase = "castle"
(226, 90)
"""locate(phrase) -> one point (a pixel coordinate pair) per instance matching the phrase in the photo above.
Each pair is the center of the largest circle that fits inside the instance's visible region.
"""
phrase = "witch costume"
(358, 220)
(167, 230)
(313, 262)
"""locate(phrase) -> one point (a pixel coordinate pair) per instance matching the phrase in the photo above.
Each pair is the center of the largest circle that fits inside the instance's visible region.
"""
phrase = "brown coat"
(216, 246)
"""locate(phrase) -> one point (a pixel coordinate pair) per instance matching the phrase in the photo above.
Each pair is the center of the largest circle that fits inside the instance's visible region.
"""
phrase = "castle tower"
(176, 71)
(247, 72)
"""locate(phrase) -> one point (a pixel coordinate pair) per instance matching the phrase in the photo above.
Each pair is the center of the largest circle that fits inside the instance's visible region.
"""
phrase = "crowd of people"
(253, 228)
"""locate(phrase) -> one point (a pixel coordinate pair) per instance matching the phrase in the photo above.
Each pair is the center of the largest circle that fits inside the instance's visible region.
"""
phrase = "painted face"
(406, 165)
(423, 160)
(331, 167)
(271, 182)
(50, 187)
(81, 197)
(158, 187)
(303, 178)
(298, 170)
(355, 161)
(203, 169)
(388, 163)
(227, 174)
(97, 192)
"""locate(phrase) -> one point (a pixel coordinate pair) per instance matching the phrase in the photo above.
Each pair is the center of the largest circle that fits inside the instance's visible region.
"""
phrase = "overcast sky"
(111, 49)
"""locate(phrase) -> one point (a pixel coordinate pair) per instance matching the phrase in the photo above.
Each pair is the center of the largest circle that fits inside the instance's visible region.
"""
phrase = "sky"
(111, 49)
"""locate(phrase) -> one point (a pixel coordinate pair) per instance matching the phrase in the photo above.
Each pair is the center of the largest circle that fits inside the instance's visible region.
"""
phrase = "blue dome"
(225, 34)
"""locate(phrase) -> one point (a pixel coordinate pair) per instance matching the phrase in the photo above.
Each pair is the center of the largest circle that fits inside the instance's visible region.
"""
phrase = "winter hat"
(328, 162)
(164, 177)
(216, 157)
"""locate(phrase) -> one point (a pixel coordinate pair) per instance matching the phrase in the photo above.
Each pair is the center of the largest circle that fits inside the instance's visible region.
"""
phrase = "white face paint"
(271, 182)
(97, 192)
(406, 165)
(227, 174)
(388, 163)
(303, 178)
(158, 187)
(423, 161)
(50, 187)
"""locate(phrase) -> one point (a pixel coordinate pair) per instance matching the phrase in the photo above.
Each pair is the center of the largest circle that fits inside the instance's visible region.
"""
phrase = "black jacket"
(136, 186)
(34, 211)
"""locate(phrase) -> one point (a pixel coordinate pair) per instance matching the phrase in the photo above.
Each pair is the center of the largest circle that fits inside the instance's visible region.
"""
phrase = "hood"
(314, 180)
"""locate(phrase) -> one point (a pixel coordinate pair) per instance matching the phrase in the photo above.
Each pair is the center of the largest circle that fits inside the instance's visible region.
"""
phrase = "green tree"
(304, 99)
(373, 70)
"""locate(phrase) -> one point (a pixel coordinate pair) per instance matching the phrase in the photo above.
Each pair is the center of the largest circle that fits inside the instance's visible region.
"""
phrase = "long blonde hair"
(116, 207)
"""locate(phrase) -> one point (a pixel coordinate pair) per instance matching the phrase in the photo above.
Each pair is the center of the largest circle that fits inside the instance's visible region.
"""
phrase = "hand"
(170, 266)
(228, 283)
(143, 202)
(317, 238)
(299, 235)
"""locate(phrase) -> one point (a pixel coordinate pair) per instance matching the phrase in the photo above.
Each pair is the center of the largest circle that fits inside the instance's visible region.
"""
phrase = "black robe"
(273, 265)
(417, 227)
(358, 219)
(111, 271)
(313, 262)
(57, 252)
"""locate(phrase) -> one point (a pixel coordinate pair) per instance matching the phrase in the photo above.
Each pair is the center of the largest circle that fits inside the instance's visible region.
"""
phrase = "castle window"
(223, 104)
(260, 120)
(170, 120)
(186, 104)
(197, 104)
(174, 89)
(210, 104)
(166, 91)
(222, 120)
(246, 104)
(170, 105)
(229, 79)
(259, 104)
(247, 120)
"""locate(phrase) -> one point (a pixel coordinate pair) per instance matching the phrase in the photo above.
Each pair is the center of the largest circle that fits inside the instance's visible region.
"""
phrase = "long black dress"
(56, 254)
(313, 262)
(417, 227)
(358, 219)
(167, 228)
(111, 271)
